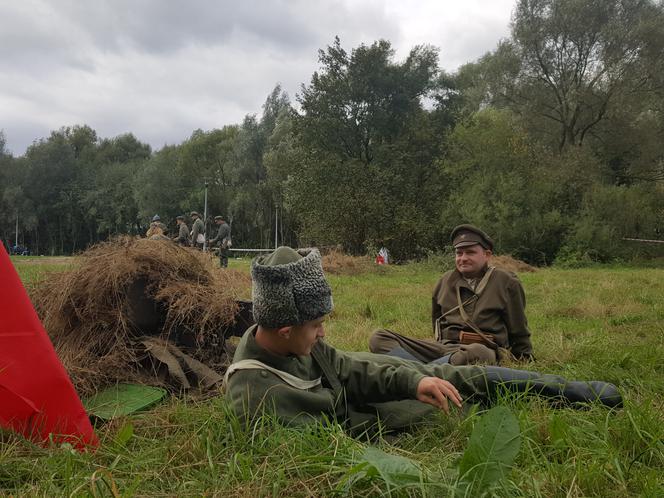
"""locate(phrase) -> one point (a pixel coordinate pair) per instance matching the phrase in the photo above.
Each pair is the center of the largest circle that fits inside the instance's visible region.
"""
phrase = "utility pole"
(276, 227)
(205, 217)
(16, 240)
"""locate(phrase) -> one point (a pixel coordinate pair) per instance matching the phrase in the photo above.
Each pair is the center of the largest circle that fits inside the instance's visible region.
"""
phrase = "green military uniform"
(222, 241)
(197, 228)
(183, 235)
(474, 320)
(498, 309)
(355, 389)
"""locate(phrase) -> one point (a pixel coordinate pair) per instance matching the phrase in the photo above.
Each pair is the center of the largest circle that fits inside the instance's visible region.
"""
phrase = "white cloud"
(162, 69)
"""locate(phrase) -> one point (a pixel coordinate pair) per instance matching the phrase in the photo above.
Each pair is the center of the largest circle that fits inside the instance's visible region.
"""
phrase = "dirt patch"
(507, 262)
(127, 288)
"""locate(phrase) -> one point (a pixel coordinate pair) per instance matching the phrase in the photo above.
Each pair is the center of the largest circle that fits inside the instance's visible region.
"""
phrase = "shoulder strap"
(328, 370)
(289, 379)
(480, 288)
(464, 316)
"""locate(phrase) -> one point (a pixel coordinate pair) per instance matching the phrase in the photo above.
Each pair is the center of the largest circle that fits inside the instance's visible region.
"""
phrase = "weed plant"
(596, 323)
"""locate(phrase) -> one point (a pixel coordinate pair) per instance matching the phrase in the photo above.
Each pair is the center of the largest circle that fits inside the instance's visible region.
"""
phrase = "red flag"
(37, 398)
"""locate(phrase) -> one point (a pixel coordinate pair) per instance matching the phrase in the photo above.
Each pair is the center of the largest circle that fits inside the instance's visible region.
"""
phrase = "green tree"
(368, 147)
(569, 64)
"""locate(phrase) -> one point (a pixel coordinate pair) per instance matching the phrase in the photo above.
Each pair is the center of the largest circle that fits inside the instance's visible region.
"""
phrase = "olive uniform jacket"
(355, 389)
(196, 229)
(183, 235)
(498, 310)
(223, 232)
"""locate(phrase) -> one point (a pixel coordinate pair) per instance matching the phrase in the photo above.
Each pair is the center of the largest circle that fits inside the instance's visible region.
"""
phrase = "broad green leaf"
(493, 446)
(395, 470)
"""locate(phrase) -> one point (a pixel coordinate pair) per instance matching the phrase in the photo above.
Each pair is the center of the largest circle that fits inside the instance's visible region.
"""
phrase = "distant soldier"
(197, 231)
(183, 232)
(156, 224)
(222, 240)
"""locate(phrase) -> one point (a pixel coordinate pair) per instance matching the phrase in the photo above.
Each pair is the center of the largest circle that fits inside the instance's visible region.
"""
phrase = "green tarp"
(122, 399)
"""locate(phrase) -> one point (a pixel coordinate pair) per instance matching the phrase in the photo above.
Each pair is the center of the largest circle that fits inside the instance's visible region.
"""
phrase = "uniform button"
(264, 374)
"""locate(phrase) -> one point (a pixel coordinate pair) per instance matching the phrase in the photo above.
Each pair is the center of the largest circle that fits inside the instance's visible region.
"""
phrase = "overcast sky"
(163, 68)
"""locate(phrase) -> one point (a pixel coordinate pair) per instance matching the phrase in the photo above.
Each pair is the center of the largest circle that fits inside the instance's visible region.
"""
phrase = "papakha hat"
(289, 288)
(469, 235)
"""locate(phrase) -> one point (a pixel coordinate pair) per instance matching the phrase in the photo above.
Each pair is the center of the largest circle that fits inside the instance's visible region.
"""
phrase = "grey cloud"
(160, 69)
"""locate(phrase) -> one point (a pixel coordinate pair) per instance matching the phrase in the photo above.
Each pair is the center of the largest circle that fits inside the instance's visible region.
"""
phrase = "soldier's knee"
(382, 341)
(470, 354)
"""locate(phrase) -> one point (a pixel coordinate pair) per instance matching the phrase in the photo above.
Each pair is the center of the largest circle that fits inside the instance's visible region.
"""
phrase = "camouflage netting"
(127, 288)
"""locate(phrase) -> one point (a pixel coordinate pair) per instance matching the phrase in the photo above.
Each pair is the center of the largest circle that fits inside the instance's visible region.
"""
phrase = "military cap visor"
(468, 235)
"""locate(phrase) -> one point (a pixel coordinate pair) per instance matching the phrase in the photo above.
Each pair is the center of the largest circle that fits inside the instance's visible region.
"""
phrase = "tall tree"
(570, 63)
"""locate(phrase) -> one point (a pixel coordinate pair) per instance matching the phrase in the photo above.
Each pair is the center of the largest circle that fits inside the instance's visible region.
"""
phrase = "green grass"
(599, 323)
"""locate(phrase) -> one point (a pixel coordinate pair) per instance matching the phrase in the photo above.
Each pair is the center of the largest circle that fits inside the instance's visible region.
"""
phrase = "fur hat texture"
(289, 288)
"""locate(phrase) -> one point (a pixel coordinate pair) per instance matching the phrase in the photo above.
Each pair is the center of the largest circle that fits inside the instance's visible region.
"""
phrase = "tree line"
(551, 142)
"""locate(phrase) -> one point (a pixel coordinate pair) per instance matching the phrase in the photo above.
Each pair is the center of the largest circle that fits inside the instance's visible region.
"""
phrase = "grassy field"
(601, 323)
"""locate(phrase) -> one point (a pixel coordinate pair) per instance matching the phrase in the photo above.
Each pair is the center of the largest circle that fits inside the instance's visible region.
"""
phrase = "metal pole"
(16, 241)
(276, 227)
(205, 217)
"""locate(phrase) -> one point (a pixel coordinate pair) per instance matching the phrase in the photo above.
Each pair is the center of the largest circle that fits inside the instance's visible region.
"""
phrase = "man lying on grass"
(283, 366)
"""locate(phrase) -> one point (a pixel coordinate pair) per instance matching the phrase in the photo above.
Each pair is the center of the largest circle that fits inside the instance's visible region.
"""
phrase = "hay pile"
(507, 262)
(339, 263)
(130, 287)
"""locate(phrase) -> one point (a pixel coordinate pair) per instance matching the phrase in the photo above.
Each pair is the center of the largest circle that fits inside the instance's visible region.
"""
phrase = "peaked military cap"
(469, 235)
(218, 218)
(194, 213)
(179, 217)
(156, 218)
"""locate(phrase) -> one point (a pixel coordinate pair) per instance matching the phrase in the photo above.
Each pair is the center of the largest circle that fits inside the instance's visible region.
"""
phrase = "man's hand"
(435, 391)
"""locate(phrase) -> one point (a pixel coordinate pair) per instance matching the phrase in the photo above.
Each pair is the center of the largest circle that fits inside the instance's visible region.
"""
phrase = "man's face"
(470, 260)
(218, 222)
(301, 338)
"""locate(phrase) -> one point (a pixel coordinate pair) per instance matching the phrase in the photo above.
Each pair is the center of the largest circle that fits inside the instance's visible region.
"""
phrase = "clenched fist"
(435, 391)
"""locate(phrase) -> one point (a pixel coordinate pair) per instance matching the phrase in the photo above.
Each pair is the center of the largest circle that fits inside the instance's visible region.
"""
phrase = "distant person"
(383, 256)
(477, 312)
(283, 366)
(182, 237)
(156, 227)
(197, 236)
(222, 240)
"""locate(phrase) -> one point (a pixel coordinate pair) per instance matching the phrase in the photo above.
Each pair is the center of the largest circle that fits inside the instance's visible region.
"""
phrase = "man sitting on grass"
(477, 312)
(283, 366)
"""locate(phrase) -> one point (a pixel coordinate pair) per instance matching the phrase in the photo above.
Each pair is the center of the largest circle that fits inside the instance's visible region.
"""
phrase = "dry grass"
(90, 310)
(339, 263)
(507, 262)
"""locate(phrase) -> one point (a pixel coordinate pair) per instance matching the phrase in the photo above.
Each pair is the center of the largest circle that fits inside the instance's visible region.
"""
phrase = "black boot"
(553, 386)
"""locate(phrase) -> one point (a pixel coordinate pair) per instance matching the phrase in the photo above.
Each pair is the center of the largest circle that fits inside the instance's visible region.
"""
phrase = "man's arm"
(217, 238)
(195, 230)
(516, 321)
